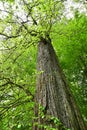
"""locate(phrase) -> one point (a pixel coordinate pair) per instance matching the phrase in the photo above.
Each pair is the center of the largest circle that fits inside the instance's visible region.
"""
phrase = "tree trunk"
(53, 93)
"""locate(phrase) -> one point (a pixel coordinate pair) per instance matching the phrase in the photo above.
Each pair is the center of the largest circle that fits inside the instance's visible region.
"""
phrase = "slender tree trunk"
(53, 93)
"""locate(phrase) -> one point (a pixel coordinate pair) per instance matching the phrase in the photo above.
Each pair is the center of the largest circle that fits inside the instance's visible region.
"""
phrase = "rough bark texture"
(52, 91)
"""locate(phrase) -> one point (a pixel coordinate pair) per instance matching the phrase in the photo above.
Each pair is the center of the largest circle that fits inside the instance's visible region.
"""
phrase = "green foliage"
(10, 0)
(17, 89)
(48, 122)
(70, 44)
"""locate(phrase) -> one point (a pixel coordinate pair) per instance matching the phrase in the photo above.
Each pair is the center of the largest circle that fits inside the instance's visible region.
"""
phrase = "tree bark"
(53, 93)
